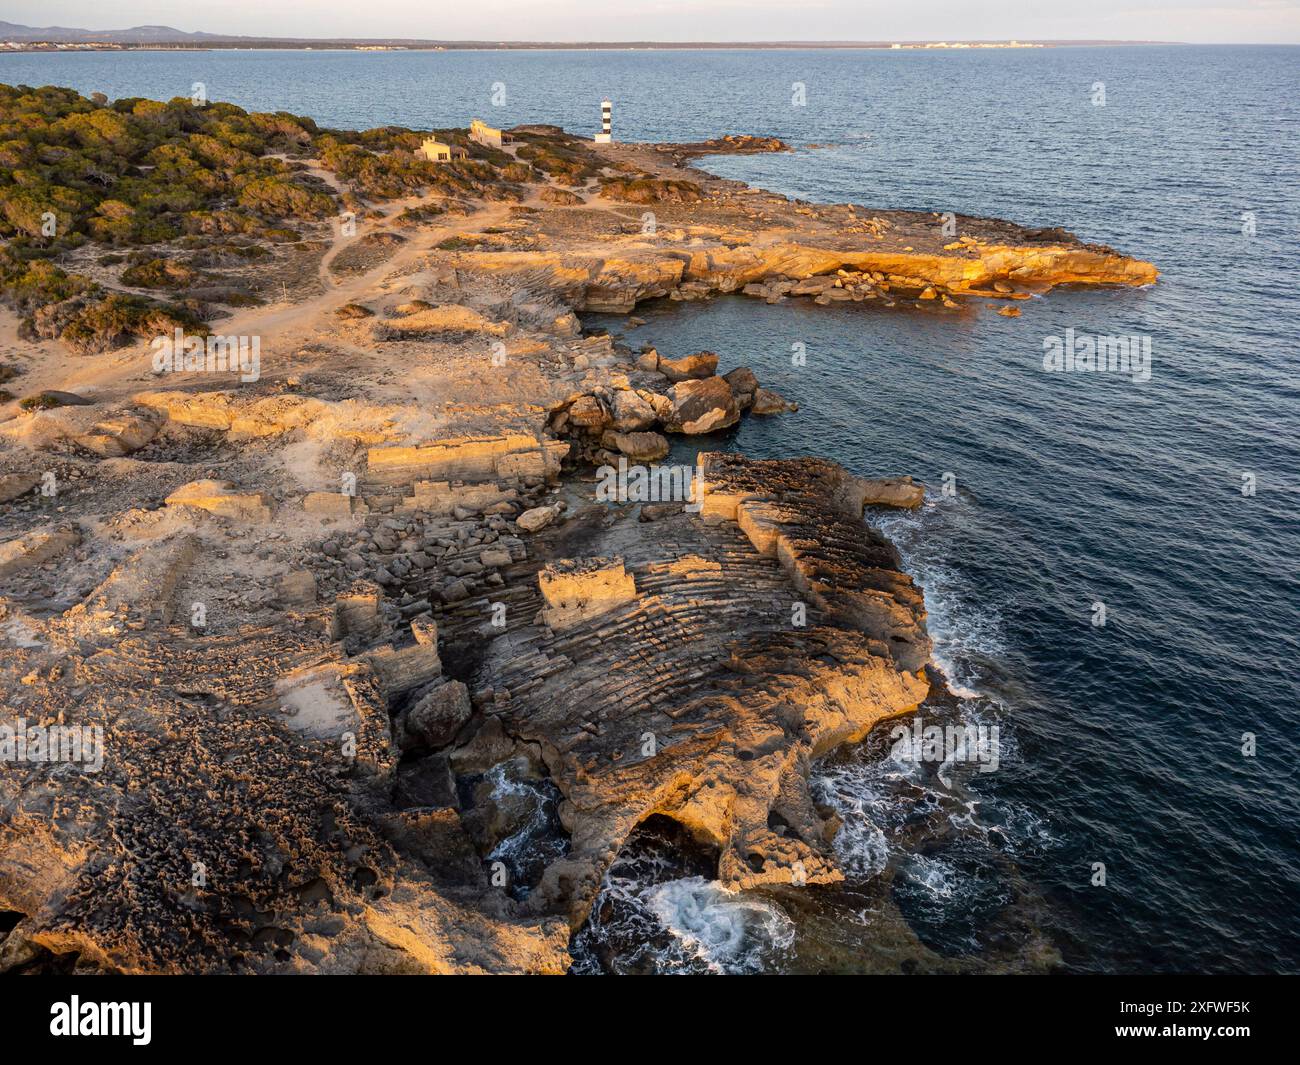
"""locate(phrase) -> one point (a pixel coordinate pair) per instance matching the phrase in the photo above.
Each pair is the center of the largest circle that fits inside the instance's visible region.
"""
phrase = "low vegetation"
(169, 190)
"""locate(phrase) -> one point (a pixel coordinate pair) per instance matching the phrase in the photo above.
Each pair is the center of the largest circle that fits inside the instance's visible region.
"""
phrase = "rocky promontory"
(381, 637)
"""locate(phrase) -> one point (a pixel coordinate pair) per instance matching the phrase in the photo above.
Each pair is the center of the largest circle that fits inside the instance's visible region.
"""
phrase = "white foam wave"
(726, 930)
(935, 876)
(962, 627)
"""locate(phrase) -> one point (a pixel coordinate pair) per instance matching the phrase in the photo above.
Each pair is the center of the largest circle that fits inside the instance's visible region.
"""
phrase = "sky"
(1193, 21)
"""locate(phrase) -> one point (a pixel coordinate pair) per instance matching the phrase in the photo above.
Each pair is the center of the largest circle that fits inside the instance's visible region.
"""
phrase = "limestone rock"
(333, 505)
(437, 717)
(576, 590)
(743, 385)
(892, 492)
(220, 497)
(119, 435)
(702, 406)
(690, 367)
(768, 402)
(536, 519)
(587, 412)
(426, 782)
(639, 447)
(33, 549)
(297, 589)
(13, 485)
(630, 412)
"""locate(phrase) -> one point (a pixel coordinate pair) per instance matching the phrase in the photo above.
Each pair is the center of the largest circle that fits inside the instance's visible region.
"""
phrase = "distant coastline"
(600, 46)
(16, 38)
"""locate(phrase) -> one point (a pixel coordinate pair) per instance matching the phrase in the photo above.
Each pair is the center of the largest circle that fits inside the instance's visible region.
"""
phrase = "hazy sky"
(1263, 21)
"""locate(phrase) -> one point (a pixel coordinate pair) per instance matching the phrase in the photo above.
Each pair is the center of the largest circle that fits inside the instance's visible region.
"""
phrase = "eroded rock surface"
(381, 682)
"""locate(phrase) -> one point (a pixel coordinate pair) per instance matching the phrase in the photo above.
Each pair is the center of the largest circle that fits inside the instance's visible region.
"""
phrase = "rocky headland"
(386, 661)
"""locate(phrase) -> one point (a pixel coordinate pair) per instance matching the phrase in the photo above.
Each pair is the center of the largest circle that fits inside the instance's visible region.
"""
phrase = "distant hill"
(11, 31)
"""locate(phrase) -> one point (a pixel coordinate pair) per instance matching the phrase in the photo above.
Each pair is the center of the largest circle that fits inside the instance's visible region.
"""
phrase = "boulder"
(662, 405)
(455, 591)
(631, 412)
(694, 367)
(743, 385)
(587, 412)
(768, 402)
(119, 435)
(536, 519)
(219, 497)
(426, 782)
(437, 717)
(892, 492)
(702, 406)
(576, 590)
(297, 588)
(814, 286)
(639, 447)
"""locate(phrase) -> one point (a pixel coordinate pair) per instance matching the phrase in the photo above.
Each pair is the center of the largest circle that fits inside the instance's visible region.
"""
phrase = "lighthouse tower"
(606, 112)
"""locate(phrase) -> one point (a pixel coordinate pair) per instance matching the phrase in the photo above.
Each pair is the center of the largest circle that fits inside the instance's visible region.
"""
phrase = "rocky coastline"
(338, 619)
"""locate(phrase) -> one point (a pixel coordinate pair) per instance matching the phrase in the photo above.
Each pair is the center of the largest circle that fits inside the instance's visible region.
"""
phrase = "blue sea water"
(1123, 742)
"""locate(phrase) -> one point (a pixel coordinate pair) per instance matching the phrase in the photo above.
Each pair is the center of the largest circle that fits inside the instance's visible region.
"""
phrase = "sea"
(1110, 561)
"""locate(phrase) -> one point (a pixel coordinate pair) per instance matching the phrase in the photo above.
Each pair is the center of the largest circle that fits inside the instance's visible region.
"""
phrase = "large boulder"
(120, 434)
(587, 412)
(743, 385)
(536, 519)
(694, 367)
(631, 412)
(639, 447)
(702, 406)
(892, 492)
(437, 717)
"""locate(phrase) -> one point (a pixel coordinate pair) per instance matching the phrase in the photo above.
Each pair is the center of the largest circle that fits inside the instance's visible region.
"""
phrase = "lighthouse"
(605, 135)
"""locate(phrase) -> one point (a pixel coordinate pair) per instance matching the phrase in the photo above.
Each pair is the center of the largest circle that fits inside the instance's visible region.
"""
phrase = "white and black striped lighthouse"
(605, 136)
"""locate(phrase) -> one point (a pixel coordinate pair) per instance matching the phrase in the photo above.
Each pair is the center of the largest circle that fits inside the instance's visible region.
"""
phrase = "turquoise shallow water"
(1123, 742)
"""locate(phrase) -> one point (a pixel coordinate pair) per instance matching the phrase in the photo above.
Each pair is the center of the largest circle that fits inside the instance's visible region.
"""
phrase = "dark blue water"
(1124, 741)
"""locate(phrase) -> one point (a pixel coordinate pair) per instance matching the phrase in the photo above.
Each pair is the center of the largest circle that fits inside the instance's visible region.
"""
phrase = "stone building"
(436, 152)
(488, 136)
